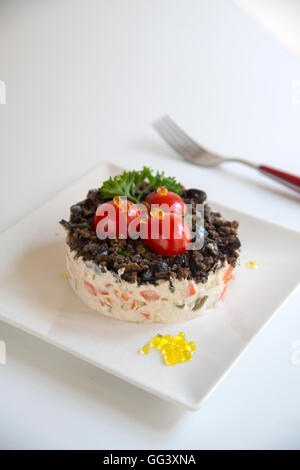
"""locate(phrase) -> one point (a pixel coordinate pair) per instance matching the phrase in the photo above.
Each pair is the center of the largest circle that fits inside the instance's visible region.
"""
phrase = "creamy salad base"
(108, 294)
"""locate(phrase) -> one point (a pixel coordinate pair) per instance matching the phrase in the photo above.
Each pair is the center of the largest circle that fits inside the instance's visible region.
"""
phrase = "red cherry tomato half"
(115, 217)
(167, 234)
(173, 202)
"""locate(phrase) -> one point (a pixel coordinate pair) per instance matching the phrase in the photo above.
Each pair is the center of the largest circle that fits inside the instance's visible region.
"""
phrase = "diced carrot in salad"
(137, 304)
(227, 274)
(190, 290)
(222, 293)
(92, 290)
(146, 315)
(149, 295)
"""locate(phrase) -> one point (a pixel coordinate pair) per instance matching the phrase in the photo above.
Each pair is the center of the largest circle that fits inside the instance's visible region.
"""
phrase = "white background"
(84, 81)
(279, 17)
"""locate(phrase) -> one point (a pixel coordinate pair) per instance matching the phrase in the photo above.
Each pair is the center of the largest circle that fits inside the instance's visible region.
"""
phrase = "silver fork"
(194, 153)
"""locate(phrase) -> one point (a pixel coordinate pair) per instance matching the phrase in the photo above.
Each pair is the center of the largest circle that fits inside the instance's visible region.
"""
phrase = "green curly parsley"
(129, 182)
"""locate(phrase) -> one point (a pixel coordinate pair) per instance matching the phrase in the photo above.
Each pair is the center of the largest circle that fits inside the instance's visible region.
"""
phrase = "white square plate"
(35, 298)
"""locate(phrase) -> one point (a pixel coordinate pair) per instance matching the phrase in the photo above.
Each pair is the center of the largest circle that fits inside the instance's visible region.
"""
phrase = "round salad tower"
(143, 275)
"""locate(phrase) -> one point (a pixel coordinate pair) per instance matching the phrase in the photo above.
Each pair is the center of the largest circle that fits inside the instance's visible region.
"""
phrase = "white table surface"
(84, 81)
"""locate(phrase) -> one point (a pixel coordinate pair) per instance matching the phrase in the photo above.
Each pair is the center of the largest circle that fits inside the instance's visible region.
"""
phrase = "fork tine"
(180, 132)
(165, 134)
(176, 138)
(186, 144)
(183, 144)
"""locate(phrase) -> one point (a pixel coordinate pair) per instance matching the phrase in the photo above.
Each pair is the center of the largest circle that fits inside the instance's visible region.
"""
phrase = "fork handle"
(292, 181)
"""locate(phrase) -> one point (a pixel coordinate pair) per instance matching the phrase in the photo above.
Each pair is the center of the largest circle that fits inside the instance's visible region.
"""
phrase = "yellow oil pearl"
(174, 349)
(170, 359)
(177, 356)
(168, 337)
(191, 346)
(65, 275)
(251, 264)
(145, 349)
(186, 356)
(163, 342)
(166, 349)
(179, 342)
(155, 342)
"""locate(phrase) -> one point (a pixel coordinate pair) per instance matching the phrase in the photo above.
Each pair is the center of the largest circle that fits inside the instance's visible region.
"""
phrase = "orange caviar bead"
(162, 191)
(157, 213)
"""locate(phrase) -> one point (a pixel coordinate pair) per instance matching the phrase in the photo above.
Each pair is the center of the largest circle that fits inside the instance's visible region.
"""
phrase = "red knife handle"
(292, 181)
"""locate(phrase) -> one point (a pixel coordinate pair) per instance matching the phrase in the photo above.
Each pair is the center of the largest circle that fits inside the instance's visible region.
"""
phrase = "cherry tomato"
(116, 217)
(173, 202)
(166, 233)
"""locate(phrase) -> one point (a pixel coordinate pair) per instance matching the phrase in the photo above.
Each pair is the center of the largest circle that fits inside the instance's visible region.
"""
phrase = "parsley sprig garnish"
(128, 184)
